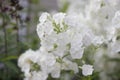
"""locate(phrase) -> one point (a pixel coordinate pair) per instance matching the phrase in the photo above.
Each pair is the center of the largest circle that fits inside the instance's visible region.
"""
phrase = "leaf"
(114, 59)
(65, 7)
(95, 75)
(8, 58)
(11, 66)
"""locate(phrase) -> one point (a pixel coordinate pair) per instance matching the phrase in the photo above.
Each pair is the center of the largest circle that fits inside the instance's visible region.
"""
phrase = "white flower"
(44, 16)
(56, 69)
(69, 65)
(47, 59)
(116, 19)
(25, 61)
(39, 76)
(65, 36)
(64, 65)
(76, 49)
(72, 20)
(44, 29)
(61, 44)
(113, 49)
(88, 37)
(59, 17)
(87, 69)
(98, 40)
(77, 53)
(48, 42)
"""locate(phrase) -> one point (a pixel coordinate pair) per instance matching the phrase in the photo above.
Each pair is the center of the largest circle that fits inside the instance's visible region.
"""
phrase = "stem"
(89, 78)
(5, 38)
(28, 14)
(5, 35)
(5, 71)
(17, 35)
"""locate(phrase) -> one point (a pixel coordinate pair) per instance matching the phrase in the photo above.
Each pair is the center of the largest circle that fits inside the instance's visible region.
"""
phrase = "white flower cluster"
(61, 44)
(65, 37)
(103, 17)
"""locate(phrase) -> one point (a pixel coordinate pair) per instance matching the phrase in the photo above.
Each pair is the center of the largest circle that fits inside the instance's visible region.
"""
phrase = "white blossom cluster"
(61, 44)
(64, 37)
(103, 17)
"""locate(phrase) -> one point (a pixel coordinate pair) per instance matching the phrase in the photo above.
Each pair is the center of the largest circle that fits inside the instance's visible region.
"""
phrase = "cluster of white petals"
(65, 37)
(87, 70)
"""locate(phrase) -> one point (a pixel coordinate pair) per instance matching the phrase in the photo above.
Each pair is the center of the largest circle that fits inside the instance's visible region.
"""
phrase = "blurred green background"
(18, 21)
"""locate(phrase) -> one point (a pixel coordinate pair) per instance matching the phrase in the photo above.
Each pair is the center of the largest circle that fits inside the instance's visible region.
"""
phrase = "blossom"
(76, 49)
(63, 64)
(87, 69)
(116, 19)
(91, 26)
(44, 17)
(26, 60)
(56, 70)
(39, 76)
(59, 17)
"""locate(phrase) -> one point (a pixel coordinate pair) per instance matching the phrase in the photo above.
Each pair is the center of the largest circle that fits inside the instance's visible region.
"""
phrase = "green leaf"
(95, 75)
(11, 66)
(65, 7)
(114, 59)
(8, 58)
